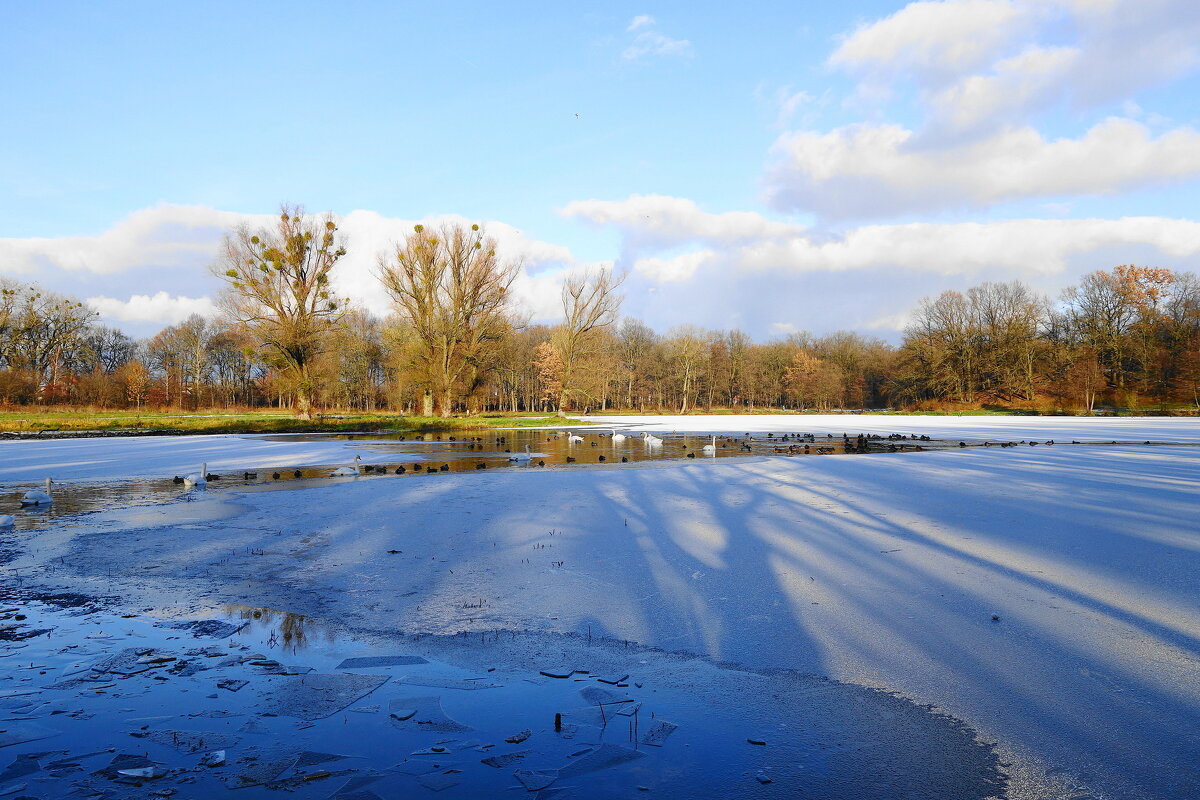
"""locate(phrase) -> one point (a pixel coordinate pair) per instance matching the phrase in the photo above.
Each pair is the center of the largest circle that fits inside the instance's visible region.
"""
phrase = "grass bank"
(220, 421)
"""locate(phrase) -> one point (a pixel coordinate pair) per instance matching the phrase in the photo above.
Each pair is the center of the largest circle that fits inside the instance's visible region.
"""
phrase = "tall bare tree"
(452, 288)
(590, 303)
(279, 287)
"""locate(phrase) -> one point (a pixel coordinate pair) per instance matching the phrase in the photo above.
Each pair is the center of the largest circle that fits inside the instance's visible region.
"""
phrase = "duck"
(341, 472)
(617, 438)
(711, 449)
(197, 478)
(38, 497)
(400, 470)
(249, 476)
(521, 458)
(574, 439)
(276, 475)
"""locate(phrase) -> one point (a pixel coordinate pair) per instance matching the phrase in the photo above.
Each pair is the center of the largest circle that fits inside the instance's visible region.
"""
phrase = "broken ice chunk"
(505, 760)
(603, 757)
(437, 781)
(379, 661)
(657, 734)
(533, 780)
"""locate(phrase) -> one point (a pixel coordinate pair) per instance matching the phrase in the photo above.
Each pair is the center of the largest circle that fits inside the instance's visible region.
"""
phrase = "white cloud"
(160, 308)
(673, 270)
(934, 40)
(1030, 79)
(675, 219)
(1009, 248)
(865, 170)
(749, 242)
(165, 235)
(982, 62)
(652, 43)
(640, 21)
(173, 244)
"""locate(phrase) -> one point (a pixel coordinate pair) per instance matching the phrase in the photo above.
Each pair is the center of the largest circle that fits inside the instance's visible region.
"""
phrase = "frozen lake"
(1045, 596)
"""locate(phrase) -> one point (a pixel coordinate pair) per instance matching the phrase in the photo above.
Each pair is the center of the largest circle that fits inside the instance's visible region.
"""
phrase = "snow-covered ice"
(1046, 596)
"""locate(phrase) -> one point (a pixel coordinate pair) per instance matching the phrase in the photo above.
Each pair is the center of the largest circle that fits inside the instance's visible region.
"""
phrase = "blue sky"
(777, 167)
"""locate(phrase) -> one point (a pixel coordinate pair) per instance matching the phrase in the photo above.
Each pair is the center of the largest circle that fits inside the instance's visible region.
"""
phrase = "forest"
(1127, 337)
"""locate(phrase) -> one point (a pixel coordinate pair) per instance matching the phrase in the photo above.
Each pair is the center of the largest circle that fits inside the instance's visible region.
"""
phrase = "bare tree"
(279, 287)
(590, 304)
(452, 288)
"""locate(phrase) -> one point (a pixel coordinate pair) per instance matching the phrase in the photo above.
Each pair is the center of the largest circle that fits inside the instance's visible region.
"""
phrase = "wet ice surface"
(260, 702)
(887, 571)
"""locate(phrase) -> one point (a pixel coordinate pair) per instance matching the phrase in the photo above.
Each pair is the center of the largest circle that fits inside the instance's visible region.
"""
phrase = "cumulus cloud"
(171, 244)
(673, 270)
(977, 63)
(933, 40)
(160, 308)
(753, 243)
(875, 170)
(664, 219)
(647, 42)
(165, 235)
(770, 277)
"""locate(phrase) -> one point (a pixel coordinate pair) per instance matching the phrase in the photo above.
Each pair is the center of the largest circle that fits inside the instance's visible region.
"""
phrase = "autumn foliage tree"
(279, 288)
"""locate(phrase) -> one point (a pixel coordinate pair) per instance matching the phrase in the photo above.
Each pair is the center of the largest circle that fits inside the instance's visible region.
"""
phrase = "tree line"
(455, 343)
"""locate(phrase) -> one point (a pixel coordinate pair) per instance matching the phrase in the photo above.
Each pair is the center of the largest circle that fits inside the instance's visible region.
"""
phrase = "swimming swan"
(573, 439)
(521, 458)
(617, 438)
(197, 478)
(651, 439)
(346, 471)
(711, 448)
(38, 497)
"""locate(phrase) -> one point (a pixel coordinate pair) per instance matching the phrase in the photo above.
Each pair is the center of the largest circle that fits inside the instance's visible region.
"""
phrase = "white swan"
(7, 521)
(651, 439)
(346, 471)
(197, 478)
(573, 439)
(711, 448)
(617, 438)
(522, 458)
(38, 497)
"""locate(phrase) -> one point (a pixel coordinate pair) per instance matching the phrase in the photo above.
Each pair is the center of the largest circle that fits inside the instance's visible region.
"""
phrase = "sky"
(775, 168)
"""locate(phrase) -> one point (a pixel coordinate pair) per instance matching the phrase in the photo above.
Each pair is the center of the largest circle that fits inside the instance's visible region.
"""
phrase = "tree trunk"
(427, 403)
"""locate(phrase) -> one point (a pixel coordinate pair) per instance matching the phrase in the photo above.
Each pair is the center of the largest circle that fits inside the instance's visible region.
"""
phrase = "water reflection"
(284, 629)
(417, 454)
